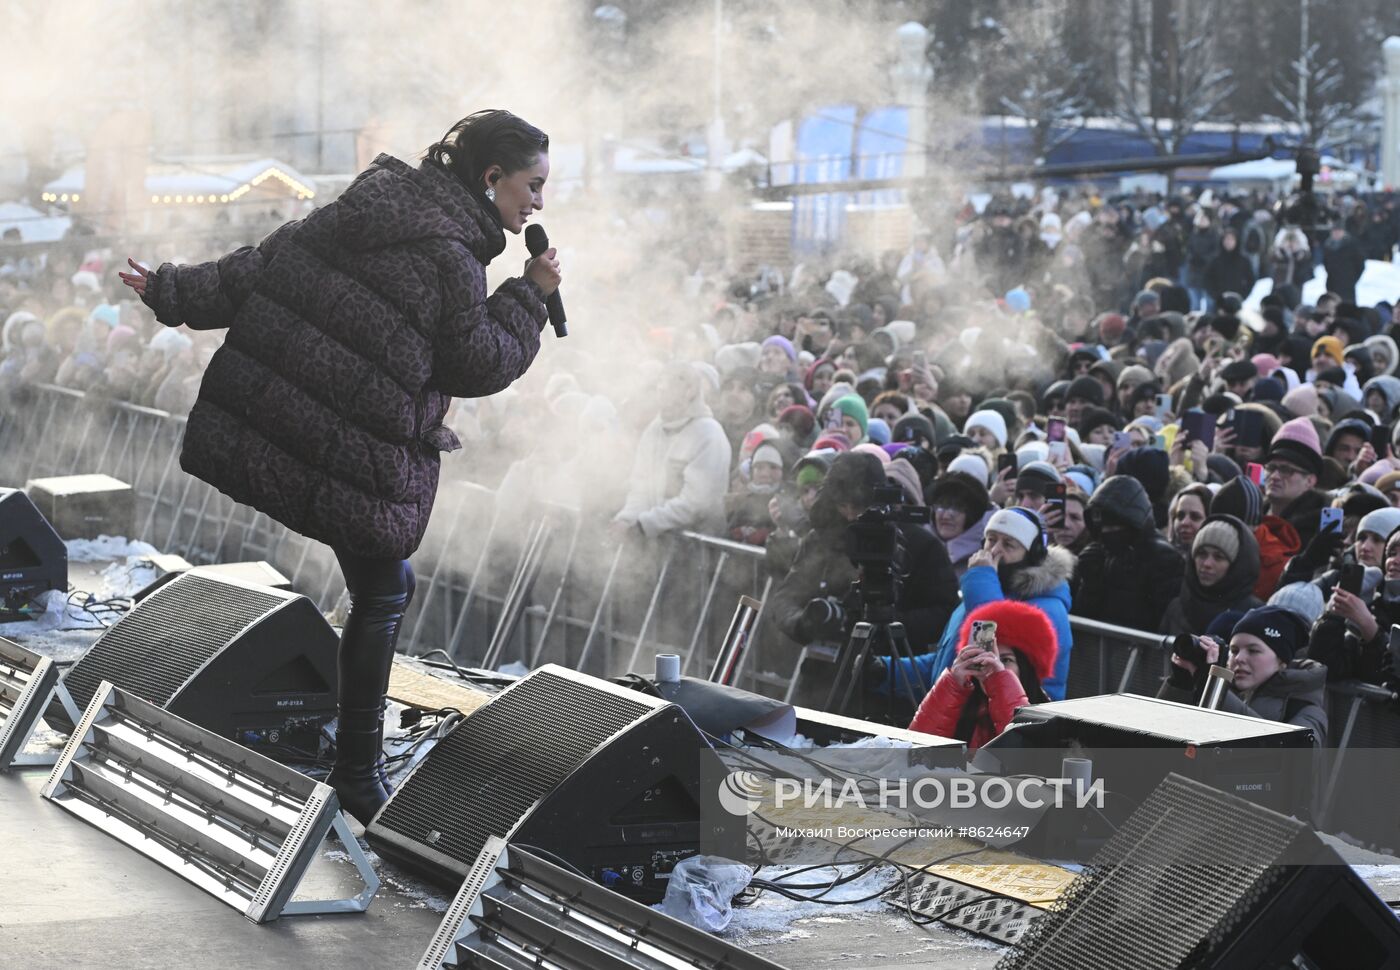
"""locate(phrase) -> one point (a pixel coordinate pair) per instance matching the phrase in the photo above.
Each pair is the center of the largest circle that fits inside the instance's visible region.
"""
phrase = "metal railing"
(1363, 738)
(566, 597)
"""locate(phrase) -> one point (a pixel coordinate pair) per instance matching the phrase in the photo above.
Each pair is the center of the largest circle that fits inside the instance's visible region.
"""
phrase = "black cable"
(552, 857)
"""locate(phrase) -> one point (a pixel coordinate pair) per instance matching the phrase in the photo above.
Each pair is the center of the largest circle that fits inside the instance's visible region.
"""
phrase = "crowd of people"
(1070, 386)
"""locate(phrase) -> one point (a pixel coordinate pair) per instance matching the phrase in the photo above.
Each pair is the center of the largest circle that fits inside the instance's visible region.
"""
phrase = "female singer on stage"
(349, 331)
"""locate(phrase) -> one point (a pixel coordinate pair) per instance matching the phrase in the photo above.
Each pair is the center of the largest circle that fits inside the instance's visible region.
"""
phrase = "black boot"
(358, 762)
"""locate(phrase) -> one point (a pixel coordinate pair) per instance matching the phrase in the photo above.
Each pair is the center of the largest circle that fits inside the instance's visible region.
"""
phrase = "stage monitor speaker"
(1201, 879)
(601, 776)
(1134, 742)
(256, 573)
(85, 506)
(33, 559)
(251, 664)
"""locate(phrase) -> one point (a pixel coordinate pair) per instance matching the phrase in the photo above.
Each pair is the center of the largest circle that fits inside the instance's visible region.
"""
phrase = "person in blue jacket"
(1014, 563)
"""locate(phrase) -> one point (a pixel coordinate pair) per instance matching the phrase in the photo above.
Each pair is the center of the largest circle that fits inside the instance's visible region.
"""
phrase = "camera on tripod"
(875, 545)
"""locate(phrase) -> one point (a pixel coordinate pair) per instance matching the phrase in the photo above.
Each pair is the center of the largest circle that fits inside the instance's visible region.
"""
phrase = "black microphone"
(537, 242)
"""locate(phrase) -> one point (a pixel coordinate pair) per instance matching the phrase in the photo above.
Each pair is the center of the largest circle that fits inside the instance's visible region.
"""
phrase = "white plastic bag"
(701, 890)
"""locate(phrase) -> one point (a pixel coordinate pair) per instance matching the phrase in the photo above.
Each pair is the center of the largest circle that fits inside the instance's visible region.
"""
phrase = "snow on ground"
(1380, 281)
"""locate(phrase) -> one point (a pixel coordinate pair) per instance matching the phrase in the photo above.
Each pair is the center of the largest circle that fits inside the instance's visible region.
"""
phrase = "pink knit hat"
(873, 449)
(1297, 443)
(1266, 363)
(1302, 401)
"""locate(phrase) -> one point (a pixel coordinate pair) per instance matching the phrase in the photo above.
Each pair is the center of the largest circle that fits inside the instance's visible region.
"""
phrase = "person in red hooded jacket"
(975, 698)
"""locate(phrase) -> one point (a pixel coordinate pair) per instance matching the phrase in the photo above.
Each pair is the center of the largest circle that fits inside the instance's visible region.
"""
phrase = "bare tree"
(1178, 68)
(1046, 87)
(1313, 92)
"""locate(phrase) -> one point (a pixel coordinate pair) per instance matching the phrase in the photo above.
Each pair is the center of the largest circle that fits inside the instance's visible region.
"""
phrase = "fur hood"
(1041, 579)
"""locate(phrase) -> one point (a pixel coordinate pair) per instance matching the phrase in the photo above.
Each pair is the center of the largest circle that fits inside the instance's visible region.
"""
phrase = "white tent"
(1279, 174)
(33, 225)
(214, 180)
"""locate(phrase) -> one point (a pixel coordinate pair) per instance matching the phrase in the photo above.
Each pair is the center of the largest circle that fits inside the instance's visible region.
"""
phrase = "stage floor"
(74, 897)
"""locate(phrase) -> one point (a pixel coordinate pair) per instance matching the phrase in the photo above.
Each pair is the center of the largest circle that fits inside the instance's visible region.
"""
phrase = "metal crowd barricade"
(1109, 659)
(1363, 743)
(556, 604)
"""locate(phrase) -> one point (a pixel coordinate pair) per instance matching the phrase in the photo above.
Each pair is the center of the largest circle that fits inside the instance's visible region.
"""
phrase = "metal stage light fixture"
(236, 824)
(27, 681)
(517, 911)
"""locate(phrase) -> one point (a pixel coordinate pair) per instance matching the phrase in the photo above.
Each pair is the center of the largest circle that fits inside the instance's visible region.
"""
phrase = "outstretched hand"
(137, 280)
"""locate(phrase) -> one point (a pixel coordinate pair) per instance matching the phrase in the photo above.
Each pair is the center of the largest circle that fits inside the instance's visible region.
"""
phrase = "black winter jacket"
(822, 568)
(1295, 695)
(1126, 581)
(1197, 606)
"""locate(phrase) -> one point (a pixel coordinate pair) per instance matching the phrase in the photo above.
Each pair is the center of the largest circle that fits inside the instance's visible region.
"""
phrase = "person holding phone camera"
(1220, 575)
(975, 698)
(1271, 682)
(1353, 638)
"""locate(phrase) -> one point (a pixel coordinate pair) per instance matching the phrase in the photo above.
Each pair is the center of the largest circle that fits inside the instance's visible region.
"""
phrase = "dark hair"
(977, 702)
(486, 138)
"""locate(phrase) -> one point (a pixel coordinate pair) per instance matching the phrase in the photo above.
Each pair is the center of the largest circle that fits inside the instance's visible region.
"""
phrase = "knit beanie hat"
(1086, 388)
(768, 452)
(1021, 626)
(1023, 525)
(1238, 370)
(914, 428)
(1297, 443)
(778, 340)
(877, 431)
(991, 421)
(1267, 389)
(1037, 476)
(812, 371)
(1303, 600)
(962, 491)
(1302, 400)
(1280, 629)
(1381, 522)
(1219, 535)
(799, 418)
(1006, 408)
(854, 407)
(832, 441)
(1328, 345)
(868, 448)
(1094, 417)
(971, 465)
(1135, 374)
(1111, 326)
(812, 469)
(903, 474)
(1241, 498)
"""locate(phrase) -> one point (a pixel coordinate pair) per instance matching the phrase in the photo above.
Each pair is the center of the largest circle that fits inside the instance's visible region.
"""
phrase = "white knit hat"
(1020, 524)
(991, 421)
(970, 464)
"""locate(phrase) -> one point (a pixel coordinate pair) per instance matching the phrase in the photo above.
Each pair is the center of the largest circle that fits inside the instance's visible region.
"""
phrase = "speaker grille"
(484, 776)
(159, 645)
(1173, 882)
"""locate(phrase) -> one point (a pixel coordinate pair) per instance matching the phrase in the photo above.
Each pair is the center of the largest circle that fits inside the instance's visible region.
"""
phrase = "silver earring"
(491, 194)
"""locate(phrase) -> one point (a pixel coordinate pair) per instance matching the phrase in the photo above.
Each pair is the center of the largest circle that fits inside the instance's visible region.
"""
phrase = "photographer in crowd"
(818, 601)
